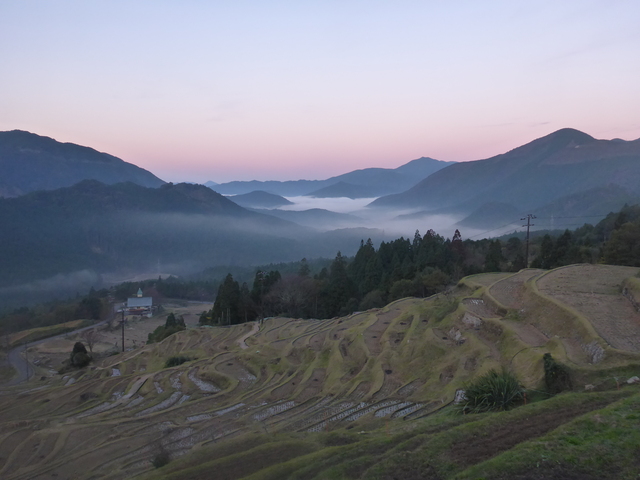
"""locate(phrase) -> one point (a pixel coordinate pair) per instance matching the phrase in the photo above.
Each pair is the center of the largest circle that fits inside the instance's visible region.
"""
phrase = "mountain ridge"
(31, 162)
(366, 182)
(562, 163)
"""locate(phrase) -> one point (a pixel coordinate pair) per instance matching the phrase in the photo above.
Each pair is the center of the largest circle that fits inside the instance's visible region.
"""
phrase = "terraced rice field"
(594, 291)
(400, 362)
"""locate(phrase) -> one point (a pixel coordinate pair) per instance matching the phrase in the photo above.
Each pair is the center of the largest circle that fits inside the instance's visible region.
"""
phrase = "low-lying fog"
(395, 223)
(188, 243)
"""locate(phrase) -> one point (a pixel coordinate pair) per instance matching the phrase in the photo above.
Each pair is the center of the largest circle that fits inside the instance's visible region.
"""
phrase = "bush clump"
(79, 357)
(171, 326)
(556, 376)
(175, 361)
(161, 458)
(494, 391)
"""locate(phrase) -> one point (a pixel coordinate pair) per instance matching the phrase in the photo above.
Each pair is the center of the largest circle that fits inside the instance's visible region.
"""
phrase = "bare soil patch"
(528, 333)
(478, 307)
(286, 390)
(373, 334)
(499, 438)
(510, 290)
(595, 292)
(313, 386)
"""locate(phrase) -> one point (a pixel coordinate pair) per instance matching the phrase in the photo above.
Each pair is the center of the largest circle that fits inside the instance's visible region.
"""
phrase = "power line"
(543, 225)
(578, 216)
(493, 230)
(551, 225)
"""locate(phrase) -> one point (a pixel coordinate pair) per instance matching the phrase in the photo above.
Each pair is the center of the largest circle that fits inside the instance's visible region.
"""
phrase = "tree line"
(419, 267)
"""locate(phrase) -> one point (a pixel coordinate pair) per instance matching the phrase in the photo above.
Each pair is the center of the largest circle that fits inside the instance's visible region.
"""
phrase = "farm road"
(20, 365)
(242, 341)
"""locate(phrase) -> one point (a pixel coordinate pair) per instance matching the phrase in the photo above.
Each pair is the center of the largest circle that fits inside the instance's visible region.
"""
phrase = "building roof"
(139, 302)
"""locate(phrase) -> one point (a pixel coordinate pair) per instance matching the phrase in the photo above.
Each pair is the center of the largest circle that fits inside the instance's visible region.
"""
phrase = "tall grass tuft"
(494, 391)
(175, 361)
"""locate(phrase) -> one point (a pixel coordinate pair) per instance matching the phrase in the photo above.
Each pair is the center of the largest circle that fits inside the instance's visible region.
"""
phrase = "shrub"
(373, 299)
(78, 347)
(175, 361)
(556, 376)
(161, 458)
(171, 326)
(493, 391)
(80, 359)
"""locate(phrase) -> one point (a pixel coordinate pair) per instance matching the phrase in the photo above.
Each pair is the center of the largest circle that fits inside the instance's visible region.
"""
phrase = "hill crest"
(30, 162)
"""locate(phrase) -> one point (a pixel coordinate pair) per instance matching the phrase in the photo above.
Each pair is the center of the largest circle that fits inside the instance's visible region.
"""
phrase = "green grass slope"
(366, 396)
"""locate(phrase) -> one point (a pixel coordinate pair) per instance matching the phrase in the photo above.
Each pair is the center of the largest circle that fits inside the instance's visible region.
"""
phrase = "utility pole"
(528, 218)
(26, 357)
(261, 273)
(122, 323)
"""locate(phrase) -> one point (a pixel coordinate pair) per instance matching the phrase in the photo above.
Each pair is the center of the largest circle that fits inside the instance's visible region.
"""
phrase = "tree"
(79, 357)
(339, 288)
(494, 257)
(304, 270)
(172, 325)
(404, 288)
(90, 307)
(545, 258)
(457, 248)
(514, 253)
(624, 248)
(226, 308)
(91, 337)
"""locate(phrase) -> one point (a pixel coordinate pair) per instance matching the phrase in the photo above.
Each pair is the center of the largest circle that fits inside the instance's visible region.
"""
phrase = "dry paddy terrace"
(396, 366)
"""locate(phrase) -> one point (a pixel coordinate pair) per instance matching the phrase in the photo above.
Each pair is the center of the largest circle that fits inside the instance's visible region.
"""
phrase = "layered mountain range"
(364, 183)
(563, 165)
(102, 224)
(126, 227)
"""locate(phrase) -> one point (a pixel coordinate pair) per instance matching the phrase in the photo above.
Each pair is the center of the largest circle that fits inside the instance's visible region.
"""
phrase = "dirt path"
(242, 341)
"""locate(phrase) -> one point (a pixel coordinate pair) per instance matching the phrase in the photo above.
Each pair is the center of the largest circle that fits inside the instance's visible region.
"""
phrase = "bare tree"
(91, 337)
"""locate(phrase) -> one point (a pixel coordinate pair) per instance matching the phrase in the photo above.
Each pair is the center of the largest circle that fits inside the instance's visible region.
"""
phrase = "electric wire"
(543, 225)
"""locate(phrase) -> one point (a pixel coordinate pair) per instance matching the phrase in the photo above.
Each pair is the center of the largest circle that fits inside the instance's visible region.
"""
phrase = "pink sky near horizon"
(281, 90)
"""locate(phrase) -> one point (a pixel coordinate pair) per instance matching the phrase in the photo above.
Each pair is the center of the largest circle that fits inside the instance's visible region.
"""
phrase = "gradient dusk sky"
(282, 90)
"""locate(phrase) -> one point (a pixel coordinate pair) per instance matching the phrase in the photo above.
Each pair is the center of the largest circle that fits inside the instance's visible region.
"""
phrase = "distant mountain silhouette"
(364, 183)
(125, 227)
(260, 199)
(343, 189)
(30, 162)
(563, 163)
(289, 188)
(317, 218)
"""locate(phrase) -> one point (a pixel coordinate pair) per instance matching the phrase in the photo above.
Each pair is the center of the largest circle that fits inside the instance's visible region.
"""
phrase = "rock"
(589, 388)
(460, 397)
(471, 320)
(633, 380)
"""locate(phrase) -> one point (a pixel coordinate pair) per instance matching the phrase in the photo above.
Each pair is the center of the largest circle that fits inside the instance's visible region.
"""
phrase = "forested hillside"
(419, 267)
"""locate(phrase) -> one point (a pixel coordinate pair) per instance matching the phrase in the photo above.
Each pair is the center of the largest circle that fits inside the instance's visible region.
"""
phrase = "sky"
(284, 90)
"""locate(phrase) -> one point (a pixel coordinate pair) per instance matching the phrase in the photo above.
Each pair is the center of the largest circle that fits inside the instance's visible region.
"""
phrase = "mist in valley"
(394, 223)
